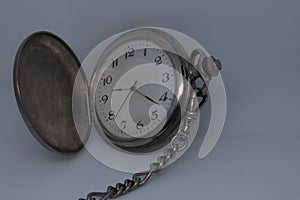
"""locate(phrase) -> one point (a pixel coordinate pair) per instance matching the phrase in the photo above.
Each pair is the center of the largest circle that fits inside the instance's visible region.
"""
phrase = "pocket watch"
(141, 90)
(136, 92)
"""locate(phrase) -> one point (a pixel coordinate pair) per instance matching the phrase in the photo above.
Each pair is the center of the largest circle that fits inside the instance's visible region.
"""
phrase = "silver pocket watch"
(140, 91)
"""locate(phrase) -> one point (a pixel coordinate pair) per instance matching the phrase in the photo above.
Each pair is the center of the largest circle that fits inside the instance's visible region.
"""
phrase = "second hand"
(132, 88)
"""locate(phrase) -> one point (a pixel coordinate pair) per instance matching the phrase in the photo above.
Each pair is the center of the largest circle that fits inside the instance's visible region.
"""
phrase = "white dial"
(135, 92)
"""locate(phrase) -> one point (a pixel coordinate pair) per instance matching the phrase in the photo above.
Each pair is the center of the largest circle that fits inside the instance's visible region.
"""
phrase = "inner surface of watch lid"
(44, 72)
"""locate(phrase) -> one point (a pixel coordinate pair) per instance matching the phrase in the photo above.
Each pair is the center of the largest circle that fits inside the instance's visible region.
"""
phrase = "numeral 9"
(104, 99)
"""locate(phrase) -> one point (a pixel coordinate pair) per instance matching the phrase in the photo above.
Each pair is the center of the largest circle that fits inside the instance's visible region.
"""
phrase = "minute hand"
(150, 99)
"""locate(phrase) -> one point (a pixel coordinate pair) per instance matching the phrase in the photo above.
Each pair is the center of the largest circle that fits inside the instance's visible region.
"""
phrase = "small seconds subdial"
(135, 93)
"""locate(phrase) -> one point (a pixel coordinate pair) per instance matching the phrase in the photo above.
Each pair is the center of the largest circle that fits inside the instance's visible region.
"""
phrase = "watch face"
(136, 95)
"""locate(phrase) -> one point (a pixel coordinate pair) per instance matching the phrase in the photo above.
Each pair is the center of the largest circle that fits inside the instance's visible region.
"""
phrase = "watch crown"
(211, 66)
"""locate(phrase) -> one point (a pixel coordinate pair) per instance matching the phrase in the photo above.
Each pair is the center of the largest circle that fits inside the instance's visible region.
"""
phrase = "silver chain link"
(178, 143)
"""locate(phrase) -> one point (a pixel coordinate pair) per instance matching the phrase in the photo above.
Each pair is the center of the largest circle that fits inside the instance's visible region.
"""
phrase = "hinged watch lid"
(45, 69)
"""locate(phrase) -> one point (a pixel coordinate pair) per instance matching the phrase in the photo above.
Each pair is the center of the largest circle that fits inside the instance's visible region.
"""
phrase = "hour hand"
(121, 89)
